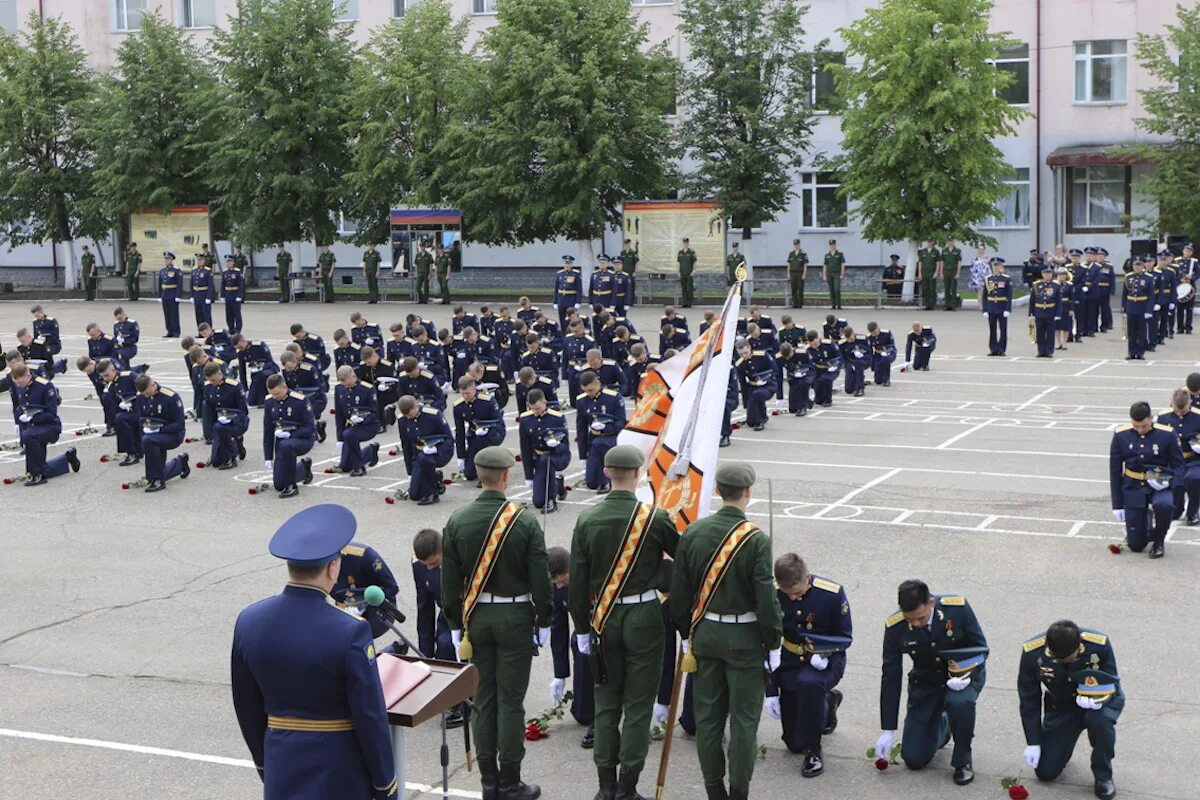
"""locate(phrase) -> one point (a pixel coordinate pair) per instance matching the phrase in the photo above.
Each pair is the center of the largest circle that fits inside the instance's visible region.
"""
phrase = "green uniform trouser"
(928, 290)
(501, 636)
(422, 287)
(89, 287)
(798, 291)
(730, 683)
(327, 279)
(444, 286)
(687, 288)
(952, 300)
(372, 286)
(835, 290)
(131, 285)
(284, 294)
(633, 646)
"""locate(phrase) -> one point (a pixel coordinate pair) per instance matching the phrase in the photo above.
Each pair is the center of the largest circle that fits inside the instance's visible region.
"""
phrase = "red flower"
(1115, 549)
(103, 459)
(392, 452)
(329, 470)
(533, 732)
(1018, 792)
(332, 411)
(737, 426)
(187, 440)
(389, 500)
(123, 485)
(200, 465)
(8, 481)
(881, 764)
(518, 456)
(79, 433)
(252, 490)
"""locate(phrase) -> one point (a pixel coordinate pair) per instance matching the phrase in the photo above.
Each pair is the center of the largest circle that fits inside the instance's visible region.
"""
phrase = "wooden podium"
(448, 684)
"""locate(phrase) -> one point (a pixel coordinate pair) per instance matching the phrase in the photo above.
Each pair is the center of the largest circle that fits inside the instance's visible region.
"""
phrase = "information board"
(657, 227)
(180, 232)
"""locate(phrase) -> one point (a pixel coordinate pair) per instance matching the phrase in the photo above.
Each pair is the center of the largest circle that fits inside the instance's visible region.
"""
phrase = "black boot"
(716, 791)
(307, 470)
(1157, 550)
(589, 738)
(320, 430)
(833, 699)
(489, 779)
(607, 777)
(813, 765)
(511, 786)
(627, 786)
(739, 793)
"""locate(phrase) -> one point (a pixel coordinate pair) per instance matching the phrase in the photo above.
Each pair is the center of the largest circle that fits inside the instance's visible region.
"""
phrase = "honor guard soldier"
(600, 288)
(1189, 274)
(441, 265)
(1137, 302)
(228, 417)
(997, 306)
(126, 333)
(732, 262)
(357, 419)
(47, 329)
(817, 630)
(826, 358)
(686, 257)
(364, 333)
(622, 293)
(599, 418)
(1046, 300)
(87, 268)
(929, 266)
(133, 272)
(428, 444)
(160, 411)
(255, 365)
(883, 348)
(942, 688)
(120, 390)
(201, 289)
(568, 661)
(1166, 296)
(797, 271)
(311, 344)
(433, 632)
(545, 451)
(370, 266)
(345, 352)
(283, 272)
(362, 566)
(756, 374)
(420, 383)
(576, 345)
(798, 371)
(496, 594)
(233, 292)
(1068, 683)
(724, 607)
(36, 402)
(288, 432)
(951, 268)
(1182, 418)
(629, 260)
(567, 285)
(616, 550)
(302, 377)
(1088, 286)
(423, 262)
(893, 278)
(170, 283)
(1031, 270)
(478, 423)
(1144, 461)
(326, 266)
(305, 686)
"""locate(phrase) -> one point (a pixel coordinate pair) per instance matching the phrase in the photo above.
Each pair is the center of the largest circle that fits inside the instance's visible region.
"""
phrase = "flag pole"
(672, 708)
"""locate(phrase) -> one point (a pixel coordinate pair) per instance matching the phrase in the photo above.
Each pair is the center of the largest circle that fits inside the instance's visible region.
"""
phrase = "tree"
(280, 150)
(46, 190)
(921, 112)
(746, 92)
(403, 96)
(565, 123)
(1173, 112)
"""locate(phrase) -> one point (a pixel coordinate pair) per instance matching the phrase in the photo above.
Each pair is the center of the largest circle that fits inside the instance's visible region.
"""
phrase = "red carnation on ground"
(187, 440)
(389, 500)
(332, 411)
(8, 481)
(393, 452)
(79, 433)
(1018, 792)
(200, 465)
(124, 485)
(252, 490)
(737, 426)
(1115, 549)
(518, 456)
(881, 764)
(329, 470)
(103, 459)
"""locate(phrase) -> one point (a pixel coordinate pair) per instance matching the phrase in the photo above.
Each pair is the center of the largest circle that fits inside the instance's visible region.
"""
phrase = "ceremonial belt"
(792, 647)
(626, 556)
(1189, 454)
(1136, 299)
(502, 524)
(309, 725)
(1045, 305)
(1140, 476)
(715, 572)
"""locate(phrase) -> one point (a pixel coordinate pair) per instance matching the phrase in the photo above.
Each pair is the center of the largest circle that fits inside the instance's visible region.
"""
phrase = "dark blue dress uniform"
(478, 423)
(314, 345)
(566, 654)
(567, 285)
(381, 375)
(826, 359)
(1071, 313)
(1044, 684)
(233, 291)
(292, 415)
(678, 340)
(367, 335)
(548, 388)
(433, 632)
(47, 328)
(357, 418)
(39, 402)
(856, 357)
(1137, 302)
(362, 566)
(1046, 304)
(103, 347)
(543, 362)
(997, 305)
(600, 290)
(804, 690)
(1154, 306)
(1089, 287)
(883, 354)
(574, 361)
(126, 335)
(545, 452)
(598, 420)
(397, 350)
(305, 686)
(1168, 279)
(228, 419)
(38, 351)
(468, 352)
(934, 712)
(306, 380)
(431, 357)
(202, 293)
(220, 346)
(163, 421)
(1187, 484)
(424, 386)
(348, 356)
(612, 376)
(418, 435)
(800, 374)
(687, 700)
(255, 365)
(1189, 272)
(527, 315)
(170, 285)
(756, 374)
(1133, 460)
(122, 395)
(458, 323)
(919, 347)
(622, 292)
(1106, 286)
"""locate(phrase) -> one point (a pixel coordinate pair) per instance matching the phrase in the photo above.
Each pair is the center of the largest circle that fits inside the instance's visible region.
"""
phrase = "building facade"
(1073, 67)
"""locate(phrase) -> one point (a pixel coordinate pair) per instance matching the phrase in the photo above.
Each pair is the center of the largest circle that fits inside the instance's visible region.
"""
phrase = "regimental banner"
(181, 232)
(657, 227)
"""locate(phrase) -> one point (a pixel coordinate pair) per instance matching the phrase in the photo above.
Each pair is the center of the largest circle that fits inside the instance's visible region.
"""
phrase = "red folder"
(399, 677)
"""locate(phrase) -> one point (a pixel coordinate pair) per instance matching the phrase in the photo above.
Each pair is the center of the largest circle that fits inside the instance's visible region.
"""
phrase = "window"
(1013, 211)
(1098, 198)
(1015, 61)
(346, 226)
(347, 10)
(199, 13)
(1100, 71)
(8, 16)
(398, 8)
(822, 90)
(820, 205)
(127, 14)
(484, 6)
(651, 2)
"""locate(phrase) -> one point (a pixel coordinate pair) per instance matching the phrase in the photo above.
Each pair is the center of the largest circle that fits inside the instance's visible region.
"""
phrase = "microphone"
(375, 597)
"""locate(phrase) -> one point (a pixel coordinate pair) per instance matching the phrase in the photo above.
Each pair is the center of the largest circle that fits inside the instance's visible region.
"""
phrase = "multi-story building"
(1073, 68)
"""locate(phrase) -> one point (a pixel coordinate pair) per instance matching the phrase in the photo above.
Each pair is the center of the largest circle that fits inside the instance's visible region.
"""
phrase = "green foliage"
(1172, 111)
(564, 123)
(405, 88)
(145, 124)
(746, 91)
(278, 109)
(921, 114)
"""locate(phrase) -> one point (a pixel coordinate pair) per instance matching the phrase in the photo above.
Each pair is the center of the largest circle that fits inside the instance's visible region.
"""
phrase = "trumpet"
(1032, 332)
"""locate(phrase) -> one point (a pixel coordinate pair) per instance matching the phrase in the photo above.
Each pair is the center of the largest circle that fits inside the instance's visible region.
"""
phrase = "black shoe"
(1195, 520)
(833, 699)
(36, 480)
(741, 792)
(455, 718)
(72, 459)
(813, 765)
(290, 491)
(389, 416)
(512, 788)
(1106, 790)
(307, 462)
(859, 393)
(605, 489)
(606, 777)
(374, 455)
(589, 739)
(227, 465)
(357, 473)
(489, 779)
(803, 412)
(185, 469)
(627, 787)
(320, 430)
(1156, 550)
(760, 426)
(129, 461)
(550, 506)
(562, 488)
(429, 500)
(964, 775)
(156, 486)
(724, 442)
(441, 481)
(478, 484)
(241, 448)
(716, 791)
(110, 431)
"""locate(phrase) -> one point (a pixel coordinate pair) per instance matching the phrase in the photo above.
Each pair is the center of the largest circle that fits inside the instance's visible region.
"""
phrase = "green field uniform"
(283, 268)
(371, 261)
(442, 265)
(87, 263)
(833, 276)
(797, 262)
(729, 683)
(423, 262)
(325, 264)
(732, 262)
(630, 259)
(632, 641)
(500, 633)
(133, 267)
(687, 283)
(242, 262)
(951, 258)
(928, 260)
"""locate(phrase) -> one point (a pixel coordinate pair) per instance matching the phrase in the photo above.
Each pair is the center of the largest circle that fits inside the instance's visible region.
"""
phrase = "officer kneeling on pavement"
(1143, 461)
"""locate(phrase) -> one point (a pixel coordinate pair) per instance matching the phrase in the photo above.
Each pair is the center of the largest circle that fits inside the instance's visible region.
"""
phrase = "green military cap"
(736, 474)
(495, 458)
(624, 456)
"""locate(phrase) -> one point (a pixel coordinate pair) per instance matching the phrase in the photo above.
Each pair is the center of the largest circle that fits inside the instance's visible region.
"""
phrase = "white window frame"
(1016, 181)
(120, 11)
(345, 227)
(816, 66)
(347, 10)
(810, 184)
(643, 3)
(479, 8)
(1002, 59)
(1086, 60)
(187, 15)
(13, 25)
(399, 7)
(1088, 224)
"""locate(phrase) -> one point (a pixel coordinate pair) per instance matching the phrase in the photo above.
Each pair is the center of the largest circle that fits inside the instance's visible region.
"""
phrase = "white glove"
(208, 302)
(269, 464)
(985, 313)
(25, 418)
(429, 450)
(1119, 514)
(684, 645)
(771, 706)
(542, 637)
(356, 419)
(125, 406)
(818, 662)
(1006, 315)
(1157, 486)
(1033, 754)
(283, 434)
(660, 713)
(481, 432)
(1171, 306)
(147, 430)
(223, 420)
(1088, 704)
(551, 441)
(529, 484)
(597, 426)
(456, 639)
(583, 643)
(883, 745)
(558, 690)
(462, 465)
(461, 355)
(1056, 319)
(773, 658)
(1157, 307)
(1085, 288)
(1148, 316)
(446, 388)
(958, 684)
(1195, 445)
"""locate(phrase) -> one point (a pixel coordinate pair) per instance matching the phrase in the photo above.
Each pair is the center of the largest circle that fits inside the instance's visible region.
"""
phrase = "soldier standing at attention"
(997, 305)
(687, 266)
(833, 271)
(1046, 303)
(370, 265)
(497, 599)
(732, 261)
(87, 266)
(950, 268)
(233, 291)
(797, 268)
(133, 272)
(616, 550)
(929, 262)
(240, 260)
(170, 281)
(566, 290)
(423, 262)
(283, 271)
(201, 289)
(326, 263)
(629, 262)
(442, 265)
(1136, 303)
(724, 607)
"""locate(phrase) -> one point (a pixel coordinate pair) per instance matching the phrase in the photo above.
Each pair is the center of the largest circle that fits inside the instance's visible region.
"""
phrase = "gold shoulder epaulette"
(426, 373)
(167, 392)
(368, 385)
(41, 380)
(297, 395)
(581, 395)
(1164, 427)
(1093, 637)
(431, 409)
(894, 619)
(460, 401)
(554, 412)
(610, 392)
(952, 600)
(307, 366)
(1126, 427)
(828, 586)
(353, 550)
(1034, 643)
(528, 413)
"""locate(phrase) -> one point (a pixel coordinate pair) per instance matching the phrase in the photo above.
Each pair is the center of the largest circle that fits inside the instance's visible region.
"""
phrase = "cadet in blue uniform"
(997, 306)
(817, 630)
(428, 444)
(201, 290)
(47, 328)
(940, 705)
(1068, 683)
(567, 284)
(361, 567)
(1143, 462)
(287, 437)
(576, 345)
(311, 344)
(161, 413)
(1189, 273)
(800, 374)
(420, 383)
(883, 349)
(1046, 304)
(364, 333)
(228, 417)
(1106, 286)
(478, 423)
(826, 359)
(1089, 288)
(622, 288)
(542, 361)
(600, 416)
(1165, 308)
(856, 356)
(545, 451)
(1137, 302)
(600, 289)
(120, 394)
(170, 284)
(37, 355)
(101, 347)
(126, 333)
(305, 686)
(357, 419)
(433, 632)
(756, 373)
(303, 377)
(527, 381)
(608, 371)
(381, 374)
(233, 291)
(218, 342)
(568, 661)
(255, 365)
(36, 403)
(1182, 418)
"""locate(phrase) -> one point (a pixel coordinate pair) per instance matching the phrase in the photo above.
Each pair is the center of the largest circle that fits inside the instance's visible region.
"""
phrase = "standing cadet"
(326, 263)
(442, 265)
(687, 268)
(566, 290)
(170, 284)
(87, 267)
(833, 271)
(423, 262)
(616, 550)
(496, 595)
(370, 266)
(305, 687)
(997, 306)
(951, 268)
(161, 413)
(357, 420)
(1143, 461)
(201, 290)
(724, 607)
(941, 697)
(600, 288)
(283, 272)
(233, 291)
(817, 630)
(1072, 673)
(478, 423)
(427, 443)
(227, 416)
(629, 262)
(287, 436)
(133, 272)
(622, 296)
(732, 262)
(1046, 300)
(797, 269)
(35, 400)
(929, 265)
(1184, 419)
(1167, 296)
(545, 451)
(1136, 305)
(600, 416)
